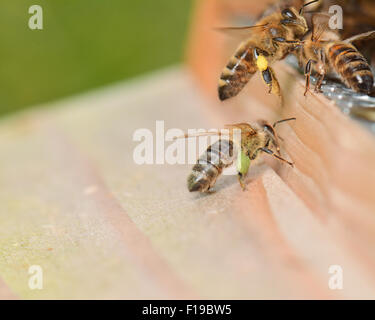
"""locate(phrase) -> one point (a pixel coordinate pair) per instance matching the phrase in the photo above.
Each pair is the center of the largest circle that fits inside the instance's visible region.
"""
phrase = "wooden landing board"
(74, 202)
(334, 156)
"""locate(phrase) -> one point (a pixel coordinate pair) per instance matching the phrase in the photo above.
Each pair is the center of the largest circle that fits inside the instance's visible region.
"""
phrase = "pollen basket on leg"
(262, 63)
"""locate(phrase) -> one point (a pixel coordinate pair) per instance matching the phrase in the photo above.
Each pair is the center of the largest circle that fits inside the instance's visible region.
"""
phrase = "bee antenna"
(305, 5)
(281, 121)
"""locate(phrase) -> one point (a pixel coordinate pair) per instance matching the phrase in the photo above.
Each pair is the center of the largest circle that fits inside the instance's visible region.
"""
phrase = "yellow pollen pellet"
(262, 63)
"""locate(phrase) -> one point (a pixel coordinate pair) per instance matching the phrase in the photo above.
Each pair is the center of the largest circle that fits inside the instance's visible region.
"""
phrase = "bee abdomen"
(237, 72)
(210, 165)
(202, 177)
(352, 67)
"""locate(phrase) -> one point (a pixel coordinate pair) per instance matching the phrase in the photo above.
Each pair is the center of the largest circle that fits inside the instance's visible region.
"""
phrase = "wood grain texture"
(75, 203)
(6, 293)
(334, 156)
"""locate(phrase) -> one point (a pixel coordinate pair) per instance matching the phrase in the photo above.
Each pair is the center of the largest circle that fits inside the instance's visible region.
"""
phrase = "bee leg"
(277, 40)
(319, 84)
(268, 74)
(274, 141)
(321, 70)
(241, 180)
(270, 80)
(308, 69)
(277, 146)
(266, 150)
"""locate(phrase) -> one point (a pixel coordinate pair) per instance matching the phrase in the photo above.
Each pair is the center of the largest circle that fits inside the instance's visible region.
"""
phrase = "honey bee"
(254, 139)
(359, 15)
(340, 56)
(269, 40)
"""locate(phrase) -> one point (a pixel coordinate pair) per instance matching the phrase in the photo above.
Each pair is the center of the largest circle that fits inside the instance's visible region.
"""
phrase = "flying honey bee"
(340, 56)
(254, 139)
(269, 40)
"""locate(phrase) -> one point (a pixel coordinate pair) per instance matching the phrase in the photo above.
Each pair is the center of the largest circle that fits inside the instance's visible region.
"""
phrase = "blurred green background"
(84, 44)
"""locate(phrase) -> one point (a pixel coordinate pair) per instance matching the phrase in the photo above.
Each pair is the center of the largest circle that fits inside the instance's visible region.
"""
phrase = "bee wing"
(360, 37)
(199, 134)
(320, 23)
(241, 32)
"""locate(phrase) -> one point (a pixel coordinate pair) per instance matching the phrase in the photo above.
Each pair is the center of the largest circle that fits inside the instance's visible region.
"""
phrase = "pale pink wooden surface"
(73, 201)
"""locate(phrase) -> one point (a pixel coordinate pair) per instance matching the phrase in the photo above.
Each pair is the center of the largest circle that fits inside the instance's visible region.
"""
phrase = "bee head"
(268, 129)
(292, 19)
(271, 132)
(295, 20)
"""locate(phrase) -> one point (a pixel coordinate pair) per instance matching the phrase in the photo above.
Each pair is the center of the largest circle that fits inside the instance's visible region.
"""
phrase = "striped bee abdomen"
(210, 165)
(353, 68)
(238, 72)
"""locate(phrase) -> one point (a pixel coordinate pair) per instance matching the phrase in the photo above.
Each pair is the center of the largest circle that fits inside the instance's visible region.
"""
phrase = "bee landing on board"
(271, 39)
(254, 139)
(340, 56)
